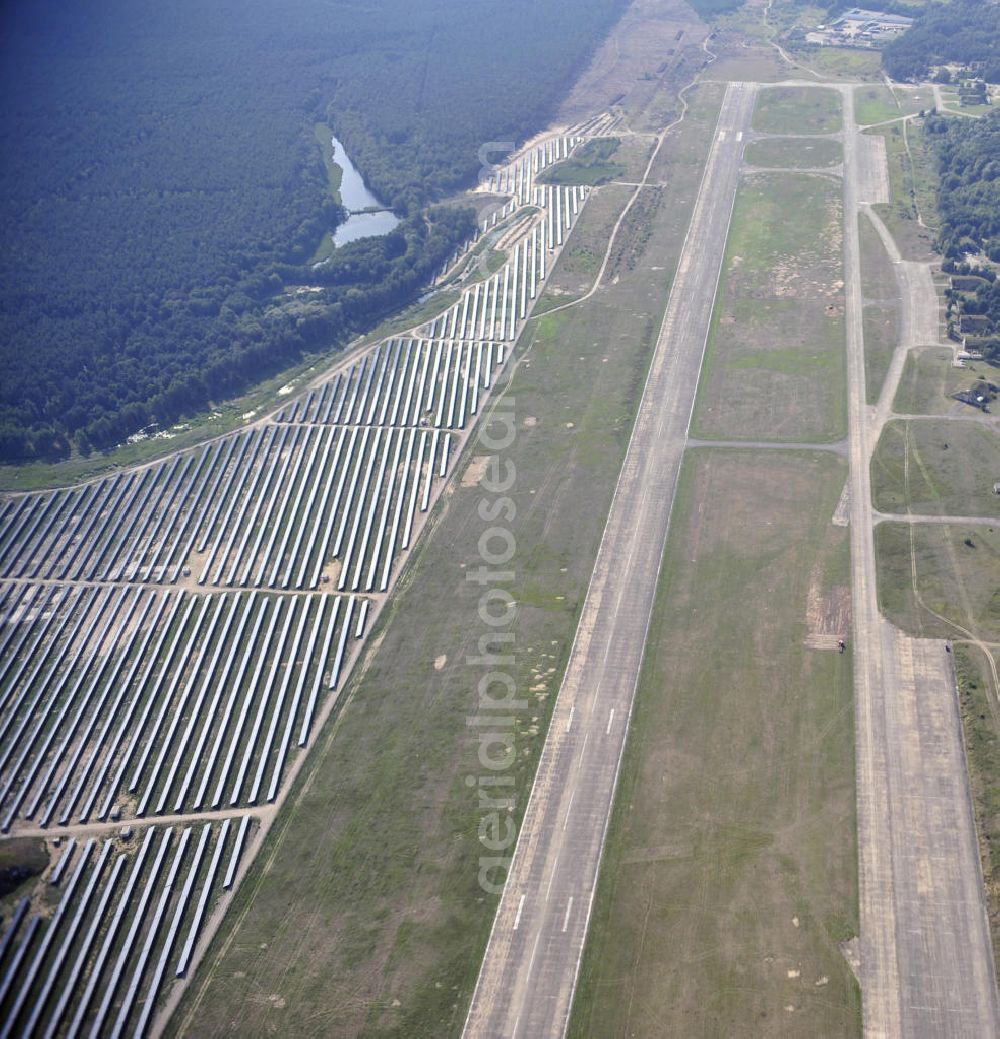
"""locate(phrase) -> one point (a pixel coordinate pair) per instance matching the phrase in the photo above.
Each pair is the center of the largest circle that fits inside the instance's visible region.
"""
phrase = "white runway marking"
(534, 949)
(555, 861)
(517, 916)
(569, 806)
(569, 781)
(569, 908)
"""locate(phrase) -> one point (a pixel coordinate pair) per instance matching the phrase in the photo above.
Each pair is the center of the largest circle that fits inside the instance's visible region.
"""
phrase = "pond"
(355, 196)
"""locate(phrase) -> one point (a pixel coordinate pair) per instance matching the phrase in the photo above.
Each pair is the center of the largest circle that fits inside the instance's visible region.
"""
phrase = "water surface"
(354, 196)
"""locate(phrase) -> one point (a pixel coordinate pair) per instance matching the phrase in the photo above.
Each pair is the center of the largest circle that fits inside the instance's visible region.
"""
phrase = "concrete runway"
(926, 959)
(529, 972)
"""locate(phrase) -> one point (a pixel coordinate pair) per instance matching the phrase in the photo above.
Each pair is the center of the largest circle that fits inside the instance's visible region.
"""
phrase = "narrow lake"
(354, 195)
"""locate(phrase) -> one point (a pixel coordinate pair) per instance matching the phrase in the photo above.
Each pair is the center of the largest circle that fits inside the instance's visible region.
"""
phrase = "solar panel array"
(171, 635)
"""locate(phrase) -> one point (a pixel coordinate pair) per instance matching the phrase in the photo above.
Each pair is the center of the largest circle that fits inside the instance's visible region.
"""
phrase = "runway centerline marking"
(607, 647)
(572, 794)
(569, 909)
(555, 861)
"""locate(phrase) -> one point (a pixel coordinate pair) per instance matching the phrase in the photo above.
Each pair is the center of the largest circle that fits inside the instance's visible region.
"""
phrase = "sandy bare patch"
(191, 571)
(330, 572)
(636, 46)
(679, 849)
(474, 473)
(517, 231)
(851, 950)
(828, 615)
(842, 513)
(440, 661)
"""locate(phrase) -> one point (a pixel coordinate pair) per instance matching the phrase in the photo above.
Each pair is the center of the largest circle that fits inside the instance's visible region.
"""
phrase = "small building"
(880, 18)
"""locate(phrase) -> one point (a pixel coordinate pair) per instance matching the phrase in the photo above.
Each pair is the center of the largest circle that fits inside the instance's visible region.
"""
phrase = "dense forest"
(963, 31)
(968, 161)
(162, 189)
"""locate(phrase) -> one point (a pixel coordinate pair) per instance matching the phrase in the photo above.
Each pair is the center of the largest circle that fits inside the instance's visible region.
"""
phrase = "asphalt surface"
(926, 959)
(529, 972)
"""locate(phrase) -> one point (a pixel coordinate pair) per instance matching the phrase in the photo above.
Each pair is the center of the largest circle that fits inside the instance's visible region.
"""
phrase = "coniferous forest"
(163, 192)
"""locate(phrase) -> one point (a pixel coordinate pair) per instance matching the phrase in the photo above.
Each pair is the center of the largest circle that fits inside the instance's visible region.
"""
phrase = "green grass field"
(756, 64)
(937, 468)
(969, 110)
(793, 153)
(729, 877)
(797, 110)
(583, 254)
(684, 148)
(923, 166)
(881, 331)
(363, 915)
(368, 893)
(334, 175)
(21, 858)
(633, 154)
(875, 104)
(930, 378)
(913, 99)
(910, 182)
(879, 103)
(591, 164)
(775, 366)
(957, 578)
(844, 63)
(981, 723)
(881, 308)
